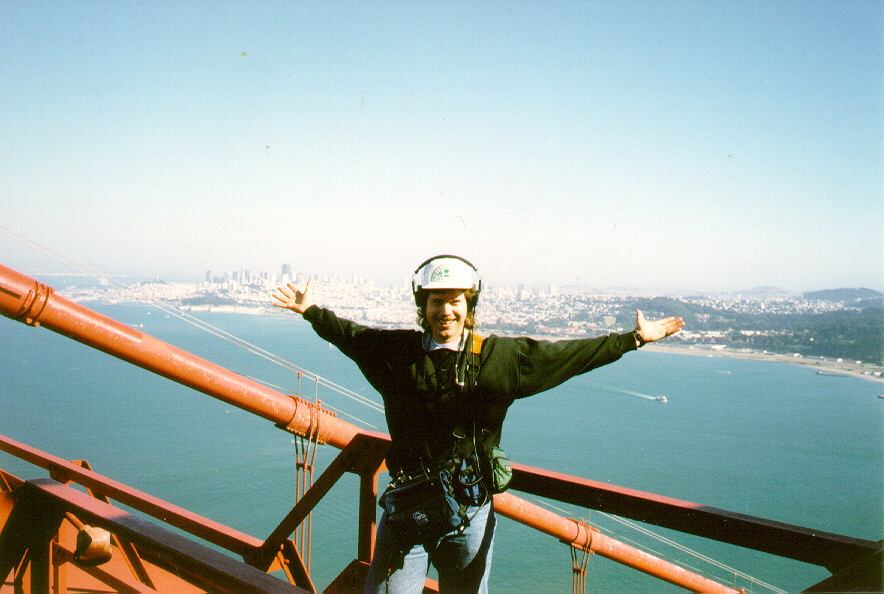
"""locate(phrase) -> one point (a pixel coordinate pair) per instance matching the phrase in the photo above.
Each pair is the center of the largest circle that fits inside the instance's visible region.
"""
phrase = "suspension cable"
(194, 321)
(683, 548)
(670, 542)
(324, 404)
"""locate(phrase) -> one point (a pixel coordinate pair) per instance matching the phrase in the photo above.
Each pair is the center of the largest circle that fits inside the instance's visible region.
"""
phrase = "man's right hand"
(289, 297)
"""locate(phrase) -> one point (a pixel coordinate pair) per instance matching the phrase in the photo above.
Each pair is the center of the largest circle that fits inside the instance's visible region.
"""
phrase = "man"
(446, 391)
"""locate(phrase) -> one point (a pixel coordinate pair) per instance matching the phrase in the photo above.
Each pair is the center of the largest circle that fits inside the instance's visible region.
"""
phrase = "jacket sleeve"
(546, 364)
(351, 338)
(374, 350)
(329, 326)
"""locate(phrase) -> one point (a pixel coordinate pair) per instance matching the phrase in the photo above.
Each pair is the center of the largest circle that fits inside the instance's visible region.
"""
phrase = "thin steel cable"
(194, 321)
(671, 543)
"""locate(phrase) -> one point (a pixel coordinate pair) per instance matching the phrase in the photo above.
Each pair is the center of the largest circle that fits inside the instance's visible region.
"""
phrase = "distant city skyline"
(669, 147)
(40, 260)
(276, 276)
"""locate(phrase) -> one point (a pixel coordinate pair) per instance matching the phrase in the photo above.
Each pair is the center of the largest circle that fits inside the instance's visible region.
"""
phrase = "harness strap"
(476, 347)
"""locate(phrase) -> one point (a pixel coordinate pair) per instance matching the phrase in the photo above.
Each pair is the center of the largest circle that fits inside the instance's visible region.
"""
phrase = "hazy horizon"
(197, 278)
(680, 146)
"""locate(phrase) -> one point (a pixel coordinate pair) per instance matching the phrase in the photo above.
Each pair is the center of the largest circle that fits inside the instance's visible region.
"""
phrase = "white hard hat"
(446, 272)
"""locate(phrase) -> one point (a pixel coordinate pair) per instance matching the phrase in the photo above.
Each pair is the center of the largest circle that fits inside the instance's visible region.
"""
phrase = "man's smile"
(446, 312)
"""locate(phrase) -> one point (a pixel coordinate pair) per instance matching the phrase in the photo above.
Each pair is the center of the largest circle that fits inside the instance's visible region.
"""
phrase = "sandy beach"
(825, 366)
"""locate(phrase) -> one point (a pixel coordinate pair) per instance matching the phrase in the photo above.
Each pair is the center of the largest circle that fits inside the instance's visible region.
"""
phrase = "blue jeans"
(462, 560)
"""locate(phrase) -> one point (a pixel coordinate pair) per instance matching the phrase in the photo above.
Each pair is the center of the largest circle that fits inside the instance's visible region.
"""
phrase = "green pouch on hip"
(501, 470)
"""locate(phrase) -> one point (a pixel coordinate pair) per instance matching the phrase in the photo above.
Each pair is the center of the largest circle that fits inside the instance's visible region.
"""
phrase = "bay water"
(765, 439)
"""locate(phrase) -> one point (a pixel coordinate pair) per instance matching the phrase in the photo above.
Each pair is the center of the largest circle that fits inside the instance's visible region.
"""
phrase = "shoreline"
(864, 371)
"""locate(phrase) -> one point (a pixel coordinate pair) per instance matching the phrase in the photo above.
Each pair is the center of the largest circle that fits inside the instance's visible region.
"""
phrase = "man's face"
(446, 313)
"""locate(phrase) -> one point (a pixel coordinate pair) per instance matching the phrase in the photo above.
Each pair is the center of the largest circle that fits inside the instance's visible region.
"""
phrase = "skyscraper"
(287, 274)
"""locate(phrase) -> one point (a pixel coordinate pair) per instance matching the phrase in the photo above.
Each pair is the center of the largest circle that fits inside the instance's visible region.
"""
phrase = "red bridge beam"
(832, 551)
(40, 506)
(580, 536)
(65, 471)
(24, 299)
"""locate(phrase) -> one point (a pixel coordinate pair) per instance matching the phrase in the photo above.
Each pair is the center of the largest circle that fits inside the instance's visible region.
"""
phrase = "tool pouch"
(424, 505)
(501, 470)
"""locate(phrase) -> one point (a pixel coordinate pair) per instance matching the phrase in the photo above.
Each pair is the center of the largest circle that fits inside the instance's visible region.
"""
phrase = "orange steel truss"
(853, 562)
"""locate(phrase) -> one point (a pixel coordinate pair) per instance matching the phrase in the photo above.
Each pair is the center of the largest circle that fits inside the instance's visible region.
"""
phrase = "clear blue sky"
(664, 145)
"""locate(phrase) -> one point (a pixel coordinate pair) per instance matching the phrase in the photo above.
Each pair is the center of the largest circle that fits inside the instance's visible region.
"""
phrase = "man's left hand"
(652, 330)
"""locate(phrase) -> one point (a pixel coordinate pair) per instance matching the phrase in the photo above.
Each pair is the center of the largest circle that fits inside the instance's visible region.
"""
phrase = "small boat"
(664, 401)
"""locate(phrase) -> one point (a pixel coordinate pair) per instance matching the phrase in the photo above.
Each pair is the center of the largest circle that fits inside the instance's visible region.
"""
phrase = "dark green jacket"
(425, 407)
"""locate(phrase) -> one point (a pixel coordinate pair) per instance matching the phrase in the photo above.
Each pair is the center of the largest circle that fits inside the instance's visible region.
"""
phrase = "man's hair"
(471, 295)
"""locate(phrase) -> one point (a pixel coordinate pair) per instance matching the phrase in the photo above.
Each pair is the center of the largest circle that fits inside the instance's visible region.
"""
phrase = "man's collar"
(432, 345)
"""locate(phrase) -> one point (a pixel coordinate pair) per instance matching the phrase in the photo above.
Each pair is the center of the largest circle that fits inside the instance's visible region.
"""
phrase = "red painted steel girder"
(38, 512)
(64, 471)
(577, 535)
(832, 551)
(24, 299)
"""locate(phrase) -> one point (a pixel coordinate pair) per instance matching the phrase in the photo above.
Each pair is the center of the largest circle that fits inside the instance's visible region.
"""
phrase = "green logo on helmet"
(440, 273)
